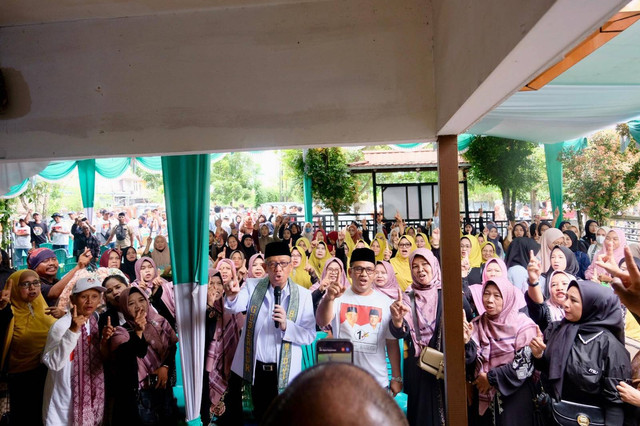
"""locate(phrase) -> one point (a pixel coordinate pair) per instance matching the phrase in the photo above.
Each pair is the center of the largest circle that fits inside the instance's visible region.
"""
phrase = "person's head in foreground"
(334, 394)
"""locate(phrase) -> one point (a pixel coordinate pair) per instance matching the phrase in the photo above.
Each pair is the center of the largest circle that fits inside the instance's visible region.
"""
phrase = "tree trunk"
(506, 202)
(335, 222)
(534, 202)
(512, 208)
(580, 224)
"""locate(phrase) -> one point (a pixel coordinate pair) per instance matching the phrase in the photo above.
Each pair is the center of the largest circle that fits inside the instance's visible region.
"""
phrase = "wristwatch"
(397, 379)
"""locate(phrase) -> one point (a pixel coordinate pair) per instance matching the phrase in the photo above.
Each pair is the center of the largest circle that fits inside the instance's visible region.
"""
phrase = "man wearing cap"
(44, 262)
(39, 230)
(368, 353)
(123, 233)
(269, 354)
(74, 390)
(59, 233)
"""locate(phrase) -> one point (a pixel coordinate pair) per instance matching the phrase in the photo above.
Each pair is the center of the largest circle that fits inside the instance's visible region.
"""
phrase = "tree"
(234, 178)
(508, 164)
(601, 180)
(40, 194)
(331, 181)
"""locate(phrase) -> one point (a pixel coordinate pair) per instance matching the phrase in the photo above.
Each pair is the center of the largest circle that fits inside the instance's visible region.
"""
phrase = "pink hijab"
(251, 260)
(343, 280)
(546, 246)
(557, 311)
(498, 338)
(390, 288)
(158, 333)
(426, 301)
(167, 287)
(593, 271)
(477, 289)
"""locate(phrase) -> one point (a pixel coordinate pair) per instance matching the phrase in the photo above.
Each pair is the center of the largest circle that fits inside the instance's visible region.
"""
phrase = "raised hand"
(534, 268)
(280, 316)
(85, 258)
(55, 311)
(324, 284)
(537, 345)
(108, 330)
(626, 284)
(140, 322)
(5, 296)
(335, 290)
(232, 288)
(77, 321)
(398, 310)
(467, 329)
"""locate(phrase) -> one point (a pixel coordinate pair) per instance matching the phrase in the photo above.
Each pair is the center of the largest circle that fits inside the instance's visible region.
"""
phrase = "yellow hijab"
(28, 329)
(426, 240)
(475, 256)
(401, 264)
(318, 264)
(382, 242)
(299, 275)
(482, 246)
(306, 242)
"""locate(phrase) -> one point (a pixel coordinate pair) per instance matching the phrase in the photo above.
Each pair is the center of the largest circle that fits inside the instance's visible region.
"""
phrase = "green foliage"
(153, 181)
(507, 164)
(600, 180)
(39, 196)
(332, 182)
(235, 179)
(7, 208)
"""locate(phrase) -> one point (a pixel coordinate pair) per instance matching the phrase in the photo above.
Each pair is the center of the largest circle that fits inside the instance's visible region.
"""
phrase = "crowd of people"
(546, 337)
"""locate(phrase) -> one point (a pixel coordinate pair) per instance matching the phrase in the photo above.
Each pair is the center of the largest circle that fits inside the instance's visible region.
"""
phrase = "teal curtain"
(554, 170)
(87, 178)
(217, 157)
(153, 164)
(634, 129)
(409, 145)
(16, 190)
(464, 140)
(186, 189)
(112, 168)
(58, 169)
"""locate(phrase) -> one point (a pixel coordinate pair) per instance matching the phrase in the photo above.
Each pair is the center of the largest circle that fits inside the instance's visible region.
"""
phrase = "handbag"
(431, 360)
(567, 413)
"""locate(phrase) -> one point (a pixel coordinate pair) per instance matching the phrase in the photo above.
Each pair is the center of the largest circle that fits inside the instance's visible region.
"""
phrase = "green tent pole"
(308, 198)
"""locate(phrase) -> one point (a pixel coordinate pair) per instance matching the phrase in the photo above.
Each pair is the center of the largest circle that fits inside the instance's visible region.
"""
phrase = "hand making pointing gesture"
(398, 311)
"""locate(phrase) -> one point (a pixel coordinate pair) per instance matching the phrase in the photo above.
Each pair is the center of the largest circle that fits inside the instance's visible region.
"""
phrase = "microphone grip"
(276, 296)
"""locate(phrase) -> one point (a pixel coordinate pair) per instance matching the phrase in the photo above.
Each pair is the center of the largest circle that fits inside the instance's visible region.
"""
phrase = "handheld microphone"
(277, 291)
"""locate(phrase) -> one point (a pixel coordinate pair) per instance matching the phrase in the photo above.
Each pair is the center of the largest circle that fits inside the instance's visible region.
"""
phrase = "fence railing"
(630, 225)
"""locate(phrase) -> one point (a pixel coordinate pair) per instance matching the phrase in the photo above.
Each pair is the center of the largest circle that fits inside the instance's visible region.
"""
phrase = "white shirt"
(56, 237)
(266, 337)
(23, 241)
(369, 344)
(61, 342)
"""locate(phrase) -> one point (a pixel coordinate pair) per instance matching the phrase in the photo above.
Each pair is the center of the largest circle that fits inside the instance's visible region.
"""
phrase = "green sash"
(257, 298)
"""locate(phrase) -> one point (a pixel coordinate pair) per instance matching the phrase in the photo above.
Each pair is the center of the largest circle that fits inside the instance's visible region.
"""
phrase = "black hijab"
(564, 222)
(600, 310)
(519, 250)
(521, 225)
(248, 251)
(572, 263)
(129, 268)
(589, 237)
(574, 240)
(473, 229)
(229, 249)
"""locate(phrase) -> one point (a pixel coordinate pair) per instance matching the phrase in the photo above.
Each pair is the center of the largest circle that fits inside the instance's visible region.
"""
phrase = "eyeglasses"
(333, 270)
(34, 284)
(274, 265)
(359, 270)
(404, 245)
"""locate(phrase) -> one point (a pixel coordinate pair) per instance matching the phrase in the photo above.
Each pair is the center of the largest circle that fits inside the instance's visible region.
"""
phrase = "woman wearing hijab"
(319, 256)
(155, 288)
(237, 257)
(469, 229)
(548, 240)
(590, 229)
(544, 311)
(564, 225)
(295, 233)
(601, 233)
(385, 280)
(494, 237)
(562, 259)
(498, 359)
(129, 259)
(614, 244)
(332, 272)
(303, 273)
(582, 358)
(221, 339)
(307, 231)
(111, 259)
(256, 267)
(471, 258)
(518, 256)
(161, 253)
(400, 261)
(379, 245)
(233, 244)
(305, 245)
(571, 241)
(422, 241)
(26, 326)
(247, 247)
(422, 328)
(144, 351)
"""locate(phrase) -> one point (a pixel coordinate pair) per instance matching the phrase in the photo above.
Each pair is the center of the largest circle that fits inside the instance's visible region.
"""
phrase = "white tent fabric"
(13, 173)
(558, 113)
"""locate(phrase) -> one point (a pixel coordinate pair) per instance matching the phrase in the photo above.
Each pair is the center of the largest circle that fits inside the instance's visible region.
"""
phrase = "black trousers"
(263, 392)
(25, 395)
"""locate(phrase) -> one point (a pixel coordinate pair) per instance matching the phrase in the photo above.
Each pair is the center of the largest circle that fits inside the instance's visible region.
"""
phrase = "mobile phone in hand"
(334, 350)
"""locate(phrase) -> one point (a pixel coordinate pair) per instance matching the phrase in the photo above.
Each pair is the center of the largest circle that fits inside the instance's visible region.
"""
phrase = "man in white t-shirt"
(59, 233)
(371, 334)
(103, 228)
(22, 245)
